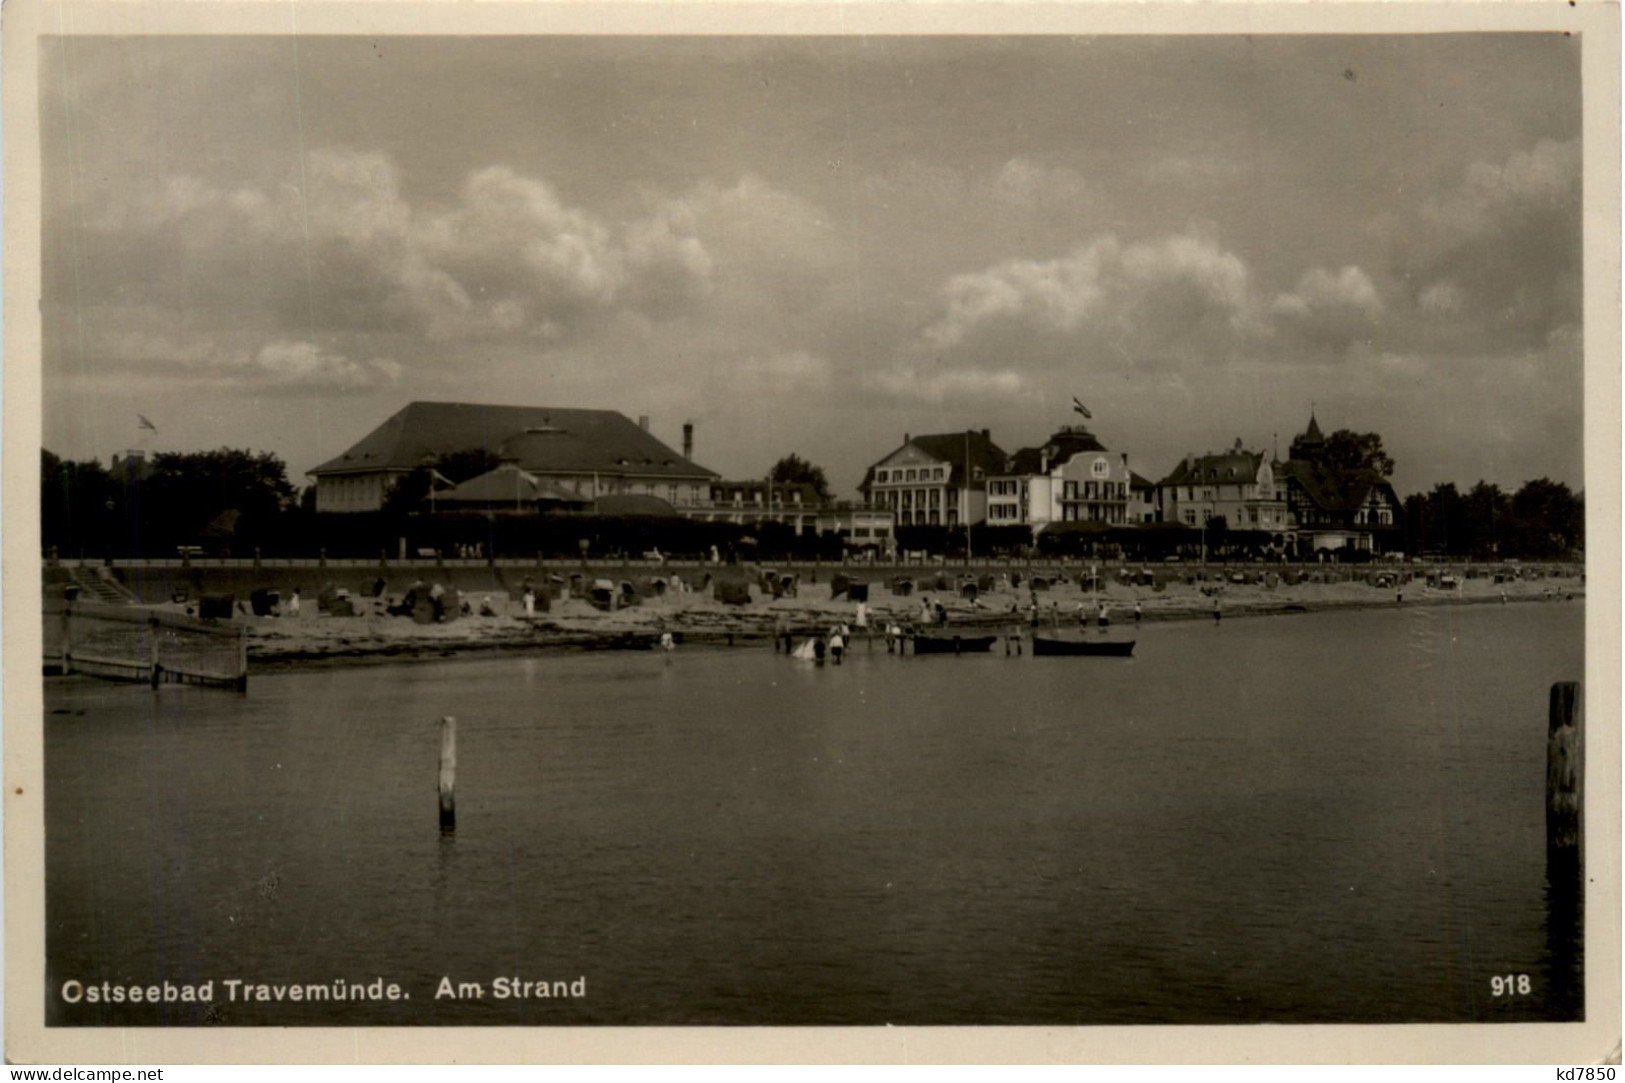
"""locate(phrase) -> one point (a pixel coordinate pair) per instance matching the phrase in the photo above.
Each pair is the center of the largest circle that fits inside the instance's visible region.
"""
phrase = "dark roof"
(539, 438)
(1135, 481)
(953, 448)
(1059, 448)
(1334, 490)
(1228, 468)
(508, 484)
(634, 504)
(1312, 435)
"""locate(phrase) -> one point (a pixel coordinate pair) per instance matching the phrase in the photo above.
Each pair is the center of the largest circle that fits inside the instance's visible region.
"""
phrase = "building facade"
(749, 503)
(1071, 478)
(1238, 486)
(588, 453)
(935, 480)
(1333, 509)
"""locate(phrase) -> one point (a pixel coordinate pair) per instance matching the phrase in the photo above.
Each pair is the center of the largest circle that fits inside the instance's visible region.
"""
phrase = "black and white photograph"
(803, 526)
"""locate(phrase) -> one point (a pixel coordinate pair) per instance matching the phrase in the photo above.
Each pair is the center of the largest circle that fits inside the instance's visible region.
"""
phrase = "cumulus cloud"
(1335, 308)
(1499, 255)
(306, 364)
(937, 385)
(278, 364)
(1025, 182)
(1170, 294)
(344, 248)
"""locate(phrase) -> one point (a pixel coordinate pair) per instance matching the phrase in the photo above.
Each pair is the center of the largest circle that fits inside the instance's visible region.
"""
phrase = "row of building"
(562, 460)
(1299, 504)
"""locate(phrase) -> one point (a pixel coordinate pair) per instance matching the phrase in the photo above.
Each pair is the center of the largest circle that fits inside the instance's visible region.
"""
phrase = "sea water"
(1331, 817)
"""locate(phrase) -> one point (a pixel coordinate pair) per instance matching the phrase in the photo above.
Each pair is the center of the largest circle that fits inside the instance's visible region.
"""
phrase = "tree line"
(233, 501)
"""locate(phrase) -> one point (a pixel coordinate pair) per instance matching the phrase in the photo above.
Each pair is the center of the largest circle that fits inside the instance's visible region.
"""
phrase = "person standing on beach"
(1216, 612)
(1138, 612)
(530, 601)
(837, 645)
(1102, 618)
(293, 603)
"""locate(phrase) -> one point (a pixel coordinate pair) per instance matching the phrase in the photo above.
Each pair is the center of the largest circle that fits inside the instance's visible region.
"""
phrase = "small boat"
(952, 643)
(1056, 643)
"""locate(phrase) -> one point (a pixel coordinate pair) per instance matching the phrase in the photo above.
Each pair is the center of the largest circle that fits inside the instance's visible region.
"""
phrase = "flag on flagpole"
(1080, 407)
(143, 423)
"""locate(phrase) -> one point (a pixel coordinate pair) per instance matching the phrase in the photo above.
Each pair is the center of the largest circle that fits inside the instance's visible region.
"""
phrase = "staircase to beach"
(97, 584)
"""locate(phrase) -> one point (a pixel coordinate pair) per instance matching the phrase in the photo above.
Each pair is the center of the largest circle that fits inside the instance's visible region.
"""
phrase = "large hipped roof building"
(589, 453)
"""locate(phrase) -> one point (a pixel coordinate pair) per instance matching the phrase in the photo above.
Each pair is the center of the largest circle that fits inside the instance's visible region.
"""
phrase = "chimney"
(688, 439)
(905, 438)
(643, 422)
(987, 434)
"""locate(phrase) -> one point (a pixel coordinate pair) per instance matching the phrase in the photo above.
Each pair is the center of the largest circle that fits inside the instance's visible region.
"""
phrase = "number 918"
(1505, 985)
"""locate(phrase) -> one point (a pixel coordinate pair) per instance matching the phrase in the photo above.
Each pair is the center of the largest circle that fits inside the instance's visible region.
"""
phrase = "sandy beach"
(698, 618)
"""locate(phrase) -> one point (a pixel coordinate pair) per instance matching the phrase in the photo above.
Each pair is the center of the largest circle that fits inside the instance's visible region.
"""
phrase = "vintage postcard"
(811, 532)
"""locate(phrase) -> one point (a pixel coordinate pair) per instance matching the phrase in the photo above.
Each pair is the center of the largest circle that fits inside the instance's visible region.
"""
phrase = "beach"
(698, 618)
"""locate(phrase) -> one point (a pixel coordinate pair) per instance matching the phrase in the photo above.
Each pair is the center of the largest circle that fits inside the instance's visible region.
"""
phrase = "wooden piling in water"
(152, 652)
(1564, 767)
(448, 774)
(1565, 848)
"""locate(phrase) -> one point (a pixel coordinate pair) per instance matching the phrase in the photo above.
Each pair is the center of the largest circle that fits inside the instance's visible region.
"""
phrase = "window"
(1190, 517)
(936, 498)
(1069, 490)
(882, 532)
(1098, 468)
(935, 517)
(909, 476)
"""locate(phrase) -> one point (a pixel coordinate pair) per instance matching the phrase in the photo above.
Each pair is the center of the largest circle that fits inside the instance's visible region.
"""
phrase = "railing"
(126, 642)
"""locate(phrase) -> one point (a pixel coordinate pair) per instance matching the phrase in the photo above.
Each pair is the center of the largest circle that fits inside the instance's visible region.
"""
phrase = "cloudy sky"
(819, 244)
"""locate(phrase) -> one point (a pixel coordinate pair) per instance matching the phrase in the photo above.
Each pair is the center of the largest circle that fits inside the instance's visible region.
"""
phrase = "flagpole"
(967, 499)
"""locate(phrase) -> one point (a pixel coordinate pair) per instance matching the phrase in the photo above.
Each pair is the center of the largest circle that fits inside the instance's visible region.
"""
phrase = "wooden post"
(1564, 767)
(152, 651)
(242, 658)
(448, 775)
(1565, 849)
(67, 633)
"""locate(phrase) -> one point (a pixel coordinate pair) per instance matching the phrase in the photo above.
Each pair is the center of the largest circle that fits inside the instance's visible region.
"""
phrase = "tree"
(1483, 519)
(79, 506)
(461, 466)
(188, 491)
(409, 493)
(1346, 450)
(1434, 522)
(1547, 520)
(794, 469)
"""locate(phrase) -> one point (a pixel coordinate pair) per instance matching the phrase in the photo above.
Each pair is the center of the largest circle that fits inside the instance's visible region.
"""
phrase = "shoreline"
(274, 647)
